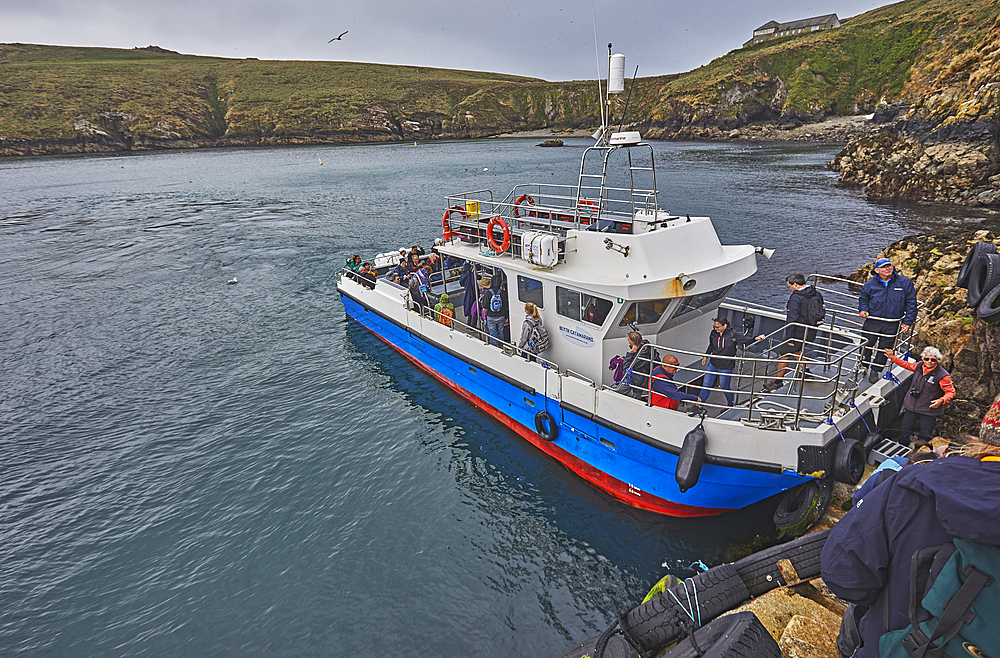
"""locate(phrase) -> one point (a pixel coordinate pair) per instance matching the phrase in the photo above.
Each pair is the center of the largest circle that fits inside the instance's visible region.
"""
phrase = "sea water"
(197, 468)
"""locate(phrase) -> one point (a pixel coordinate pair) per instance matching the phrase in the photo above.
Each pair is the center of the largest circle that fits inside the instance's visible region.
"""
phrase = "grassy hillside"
(56, 99)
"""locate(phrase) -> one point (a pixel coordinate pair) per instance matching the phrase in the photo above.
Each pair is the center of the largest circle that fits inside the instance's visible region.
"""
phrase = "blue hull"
(617, 462)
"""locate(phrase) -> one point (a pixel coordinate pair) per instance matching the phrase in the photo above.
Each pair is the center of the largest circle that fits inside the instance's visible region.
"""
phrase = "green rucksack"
(954, 604)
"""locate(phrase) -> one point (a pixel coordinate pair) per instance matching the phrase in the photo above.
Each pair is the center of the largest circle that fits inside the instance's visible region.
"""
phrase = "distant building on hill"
(774, 29)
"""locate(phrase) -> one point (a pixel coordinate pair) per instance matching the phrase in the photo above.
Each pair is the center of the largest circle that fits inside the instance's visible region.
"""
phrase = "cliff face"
(944, 145)
(971, 347)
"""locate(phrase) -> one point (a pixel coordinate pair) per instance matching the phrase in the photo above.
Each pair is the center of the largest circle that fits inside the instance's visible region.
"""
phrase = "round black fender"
(985, 276)
(989, 307)
(733, 636)
(548, 433)
(760, 571)
(691, 458)
(871, 441)
(978, 250)
(802, 506)
(848, 461)
(664, 618)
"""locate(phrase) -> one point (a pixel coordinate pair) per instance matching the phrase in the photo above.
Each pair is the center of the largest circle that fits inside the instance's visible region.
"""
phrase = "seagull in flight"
(338, 38)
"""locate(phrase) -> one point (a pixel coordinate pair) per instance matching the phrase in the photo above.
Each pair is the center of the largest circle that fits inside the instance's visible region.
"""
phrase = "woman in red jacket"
(930, 390)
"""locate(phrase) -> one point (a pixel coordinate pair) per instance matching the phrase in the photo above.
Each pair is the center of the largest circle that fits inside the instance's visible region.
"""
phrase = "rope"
(689, 610)
(860, 414)
(699, 564)
(602, 642)
(832, 422)
(891, 377)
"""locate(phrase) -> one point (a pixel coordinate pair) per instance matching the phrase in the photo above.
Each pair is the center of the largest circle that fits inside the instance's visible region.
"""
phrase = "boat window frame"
(695, 303)
(535, 296)
(624, 323)
(580, 306)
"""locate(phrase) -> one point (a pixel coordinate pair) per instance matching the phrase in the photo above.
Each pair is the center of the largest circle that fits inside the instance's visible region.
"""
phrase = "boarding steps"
(887, 449)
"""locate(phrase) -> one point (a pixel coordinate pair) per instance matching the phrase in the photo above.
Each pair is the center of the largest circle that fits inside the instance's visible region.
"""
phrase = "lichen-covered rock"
(970, 347)
(808, 638)
(776, 609)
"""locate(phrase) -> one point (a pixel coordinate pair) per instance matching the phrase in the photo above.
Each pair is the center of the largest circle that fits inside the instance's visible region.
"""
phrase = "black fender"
(979, 249)
(984, 277)
(548, 433)
(691, 458)
(849, 461)
(802, 506)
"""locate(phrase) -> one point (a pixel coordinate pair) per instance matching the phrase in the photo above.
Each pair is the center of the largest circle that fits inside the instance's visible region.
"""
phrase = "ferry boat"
(600, 258)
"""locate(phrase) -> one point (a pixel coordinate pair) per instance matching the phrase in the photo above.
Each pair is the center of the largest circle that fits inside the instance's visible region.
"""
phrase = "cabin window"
(529, 290)
(583, 307)
(645, 312)
(696, 302)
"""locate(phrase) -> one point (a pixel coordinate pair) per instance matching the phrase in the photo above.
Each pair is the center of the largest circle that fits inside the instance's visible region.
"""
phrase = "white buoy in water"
(232, 281)
(485, 169)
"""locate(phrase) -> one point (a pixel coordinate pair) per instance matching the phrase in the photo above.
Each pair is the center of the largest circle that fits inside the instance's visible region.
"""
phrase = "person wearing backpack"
(888, 303)
(534, 339)
(497, 310)
(874, 550)
(805, 307)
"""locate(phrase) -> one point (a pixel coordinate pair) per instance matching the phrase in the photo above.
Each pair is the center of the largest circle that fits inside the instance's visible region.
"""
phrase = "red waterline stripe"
(620, 490)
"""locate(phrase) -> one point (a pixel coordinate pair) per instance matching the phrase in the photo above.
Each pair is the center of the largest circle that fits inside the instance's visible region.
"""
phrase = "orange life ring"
(524, 198)
(447, 226)
(589, 205)
(499, 248)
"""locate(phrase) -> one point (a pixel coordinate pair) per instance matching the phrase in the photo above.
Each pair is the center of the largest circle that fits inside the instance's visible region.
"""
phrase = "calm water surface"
(201, 469)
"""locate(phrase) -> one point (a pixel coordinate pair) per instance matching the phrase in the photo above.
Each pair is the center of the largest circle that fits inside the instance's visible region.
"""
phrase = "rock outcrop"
(970, 346)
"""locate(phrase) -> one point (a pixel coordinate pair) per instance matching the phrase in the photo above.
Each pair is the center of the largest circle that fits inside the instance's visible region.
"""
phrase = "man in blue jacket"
(886, 300)
(866, 559)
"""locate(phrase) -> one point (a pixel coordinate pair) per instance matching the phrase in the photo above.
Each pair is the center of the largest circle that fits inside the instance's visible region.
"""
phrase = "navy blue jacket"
(795, 312)
(922, 505)
(724, 344)
(895, 298)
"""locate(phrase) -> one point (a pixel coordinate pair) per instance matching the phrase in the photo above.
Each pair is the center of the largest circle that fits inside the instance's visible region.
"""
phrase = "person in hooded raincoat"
(866, 559)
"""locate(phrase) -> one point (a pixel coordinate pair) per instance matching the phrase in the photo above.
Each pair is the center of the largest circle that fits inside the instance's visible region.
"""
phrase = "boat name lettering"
(577, 336)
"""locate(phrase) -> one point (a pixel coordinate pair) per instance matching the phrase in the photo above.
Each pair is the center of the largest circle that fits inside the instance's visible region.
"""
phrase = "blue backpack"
(496, 302)
(954, 604)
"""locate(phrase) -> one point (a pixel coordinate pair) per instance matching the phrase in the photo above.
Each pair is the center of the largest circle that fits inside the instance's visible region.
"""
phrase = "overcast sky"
(549, 39)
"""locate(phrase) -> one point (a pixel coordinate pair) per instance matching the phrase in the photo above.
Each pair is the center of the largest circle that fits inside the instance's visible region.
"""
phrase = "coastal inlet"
(205, 469)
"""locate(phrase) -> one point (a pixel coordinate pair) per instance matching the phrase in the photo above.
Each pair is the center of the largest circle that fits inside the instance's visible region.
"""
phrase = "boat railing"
(807, 396)
(539, 207)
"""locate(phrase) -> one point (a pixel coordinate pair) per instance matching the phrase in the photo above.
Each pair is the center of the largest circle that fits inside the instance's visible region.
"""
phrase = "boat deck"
(834, 379)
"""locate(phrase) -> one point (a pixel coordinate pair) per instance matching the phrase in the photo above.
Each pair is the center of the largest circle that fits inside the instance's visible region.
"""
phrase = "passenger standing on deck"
(722, 343)
(529, 328)
(804, 305)
(930, 390)
(497, 310)
(663, 391)
(866, 560)
(886, 300)
(418, 295)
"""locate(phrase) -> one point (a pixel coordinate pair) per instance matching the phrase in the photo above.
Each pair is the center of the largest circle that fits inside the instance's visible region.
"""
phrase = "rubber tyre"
(617, 648)
(985, 276)
(849, 462)
(760, 571)
(802, 506)
(552, 432)
(989, 307)
(739, 635)
(661, 620)
(978, 249)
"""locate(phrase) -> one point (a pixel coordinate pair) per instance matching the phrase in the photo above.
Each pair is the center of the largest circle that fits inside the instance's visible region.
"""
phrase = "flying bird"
(338, 38)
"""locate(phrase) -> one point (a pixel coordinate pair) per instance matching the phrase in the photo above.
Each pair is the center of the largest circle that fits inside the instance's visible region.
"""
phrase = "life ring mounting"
(448, 234)
(527, 200)
(497, 222)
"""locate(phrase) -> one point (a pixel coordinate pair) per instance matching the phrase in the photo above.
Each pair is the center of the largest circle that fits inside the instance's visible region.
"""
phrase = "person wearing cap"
(367, 275)
(887, 299)
(866, 558)
(930, 389)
